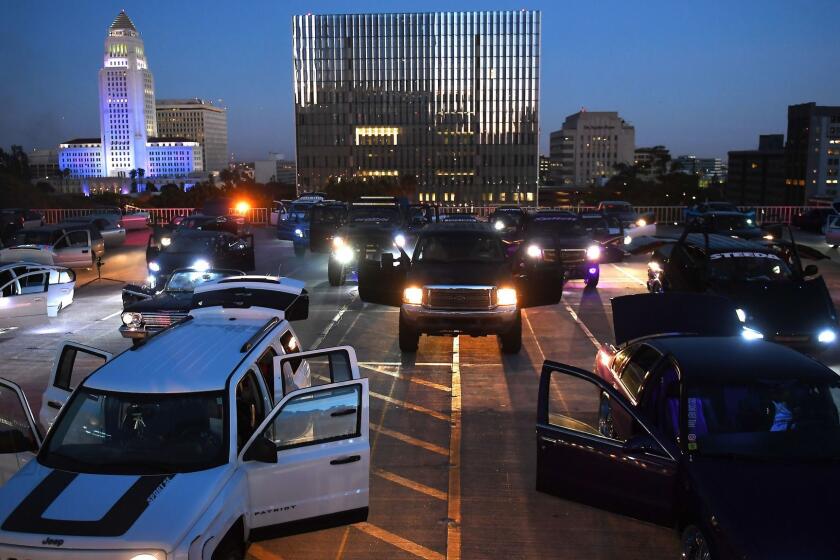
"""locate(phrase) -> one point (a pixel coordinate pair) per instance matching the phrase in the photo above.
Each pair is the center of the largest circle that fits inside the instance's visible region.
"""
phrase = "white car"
(211, 434)
(30, 289)
(109, 227)
(74, 246)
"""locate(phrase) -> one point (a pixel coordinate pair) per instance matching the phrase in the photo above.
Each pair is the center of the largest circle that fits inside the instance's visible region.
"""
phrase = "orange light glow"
(242, 207)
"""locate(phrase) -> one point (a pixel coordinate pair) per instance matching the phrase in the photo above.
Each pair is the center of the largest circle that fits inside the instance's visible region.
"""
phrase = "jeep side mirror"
(262, 450)
(811, 270)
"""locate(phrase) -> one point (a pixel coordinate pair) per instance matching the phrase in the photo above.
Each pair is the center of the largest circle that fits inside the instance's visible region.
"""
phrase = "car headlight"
(337, 241)
(749, 222)
(533, 251)
(413, 296)
(166, 241)
(344, 254)
(131, 319)
(200, 265)
(751, 334)
(399, 240)
(593, 252)
(654, 267)
(767, 236)
(641, 222)
(498, 225)
(154, 266)
(148, 557)
(742, 315)
(628, 240)
(827, 336)
(506, 296)
(299, 232)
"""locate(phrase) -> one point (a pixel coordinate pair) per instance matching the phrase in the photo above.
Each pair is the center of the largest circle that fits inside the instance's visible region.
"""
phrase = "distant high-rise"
(813, 151)
(199, 120)
(758, 176)
(587, 149)
(450, 100)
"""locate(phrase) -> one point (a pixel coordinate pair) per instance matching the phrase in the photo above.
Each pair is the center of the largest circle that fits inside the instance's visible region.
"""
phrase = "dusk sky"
(700, 78)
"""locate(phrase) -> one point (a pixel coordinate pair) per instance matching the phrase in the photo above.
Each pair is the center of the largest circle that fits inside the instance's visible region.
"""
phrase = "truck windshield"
(786, 417)
(123, 433)
(463, 247)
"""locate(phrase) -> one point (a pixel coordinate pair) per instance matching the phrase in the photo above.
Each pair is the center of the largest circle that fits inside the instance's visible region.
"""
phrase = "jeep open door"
(537, 283)
(316, 440)
(383, 281)
(73, 363)
(20, 438)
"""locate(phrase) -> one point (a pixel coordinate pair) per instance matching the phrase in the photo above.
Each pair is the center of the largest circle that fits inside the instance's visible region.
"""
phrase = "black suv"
(557, 236)
(459, 280)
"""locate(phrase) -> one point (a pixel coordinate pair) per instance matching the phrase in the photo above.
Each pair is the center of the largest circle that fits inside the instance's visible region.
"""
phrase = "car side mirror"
(811, 270)
(262, 450)
(14, 441)
(387, 260)
(642, 443)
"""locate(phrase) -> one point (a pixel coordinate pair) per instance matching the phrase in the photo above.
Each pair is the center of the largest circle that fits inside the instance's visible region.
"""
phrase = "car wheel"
(335, 273)
(409, 338)
(232, 547)
(511, 341)
(300, 250)
(591, 281)
(694, 544)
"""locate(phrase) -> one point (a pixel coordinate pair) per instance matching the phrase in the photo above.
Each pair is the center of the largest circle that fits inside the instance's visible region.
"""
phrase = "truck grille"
(460, 298)
(162, 320)
(566, 256)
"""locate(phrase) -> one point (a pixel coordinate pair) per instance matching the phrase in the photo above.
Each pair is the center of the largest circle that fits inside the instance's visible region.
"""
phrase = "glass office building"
(449, 98)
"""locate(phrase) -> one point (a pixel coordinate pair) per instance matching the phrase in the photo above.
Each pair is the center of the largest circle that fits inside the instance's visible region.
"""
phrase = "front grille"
(162, 320)
(572, 256)
(371, 251)
(460, 298)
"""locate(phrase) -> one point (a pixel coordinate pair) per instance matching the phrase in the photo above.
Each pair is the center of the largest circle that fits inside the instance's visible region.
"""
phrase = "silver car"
(108, 226)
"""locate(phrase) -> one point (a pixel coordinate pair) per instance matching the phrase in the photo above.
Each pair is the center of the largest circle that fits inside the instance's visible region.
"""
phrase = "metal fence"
(260, 216)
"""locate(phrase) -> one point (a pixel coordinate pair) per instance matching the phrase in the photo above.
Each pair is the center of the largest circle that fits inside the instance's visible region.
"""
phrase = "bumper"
(138, 333)
(450, 321)
(39, 553)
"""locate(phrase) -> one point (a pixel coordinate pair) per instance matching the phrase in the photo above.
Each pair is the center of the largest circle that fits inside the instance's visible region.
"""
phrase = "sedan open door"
(74, 362)
(316, 440)
(20, 438)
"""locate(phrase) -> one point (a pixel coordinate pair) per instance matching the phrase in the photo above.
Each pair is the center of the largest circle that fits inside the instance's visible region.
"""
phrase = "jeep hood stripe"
(28, 515)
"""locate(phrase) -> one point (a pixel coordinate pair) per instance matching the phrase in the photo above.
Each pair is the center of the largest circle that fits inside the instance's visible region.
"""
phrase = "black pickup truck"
(460, 280)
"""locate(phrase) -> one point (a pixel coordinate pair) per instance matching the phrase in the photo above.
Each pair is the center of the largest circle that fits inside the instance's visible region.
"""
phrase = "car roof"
(7, 266)
(724, 243)
(458, 227)
(724, 213)
(734, 358)
(196, 356)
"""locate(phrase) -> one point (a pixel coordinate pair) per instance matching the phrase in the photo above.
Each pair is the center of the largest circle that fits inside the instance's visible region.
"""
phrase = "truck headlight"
(413, 296)
(154, 266)
(751, 334)
(166, 241)
(827, 336)
(641, 222)
(498, 225)
(200, 265)
(337, 241)
(131, 319)
(344, 254)
(399, 240)
(593, 253)
(533, 251)
(299, 232)
(628, 240)
(742, 315)
(506, 296)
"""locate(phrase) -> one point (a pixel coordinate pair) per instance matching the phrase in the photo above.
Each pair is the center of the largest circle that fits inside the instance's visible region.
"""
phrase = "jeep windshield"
(562, 225)
(748, 267)
(374, 214)
(459, 247)
(124, 433)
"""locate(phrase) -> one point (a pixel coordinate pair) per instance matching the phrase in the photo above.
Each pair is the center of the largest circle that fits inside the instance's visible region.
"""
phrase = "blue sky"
(700, 78)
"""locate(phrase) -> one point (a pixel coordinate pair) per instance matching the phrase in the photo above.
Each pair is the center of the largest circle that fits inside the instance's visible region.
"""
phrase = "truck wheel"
(409, 338)
(591, 281)
(511, 341)
(300, 250)
(232, 546)
(335, 273)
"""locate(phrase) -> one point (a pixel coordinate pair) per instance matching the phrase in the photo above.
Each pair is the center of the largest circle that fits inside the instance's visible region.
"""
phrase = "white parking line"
(331, 324)
(629, 275)
(453, 527)
(583, 327)
(111, 315)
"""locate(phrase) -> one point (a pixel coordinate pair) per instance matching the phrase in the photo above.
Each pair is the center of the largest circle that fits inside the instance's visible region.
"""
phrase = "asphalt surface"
(452, 427)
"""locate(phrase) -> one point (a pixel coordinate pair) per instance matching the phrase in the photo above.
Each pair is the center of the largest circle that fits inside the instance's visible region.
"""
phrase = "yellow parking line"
(441, 364)
(411, 406)
(399, 542)
(453, 528)
(343, 544)
(411, 440)
(397, 375)
(416, 486)
(259, 552)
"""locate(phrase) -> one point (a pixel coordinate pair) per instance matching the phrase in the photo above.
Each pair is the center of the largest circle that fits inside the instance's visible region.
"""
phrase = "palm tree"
(141, 173)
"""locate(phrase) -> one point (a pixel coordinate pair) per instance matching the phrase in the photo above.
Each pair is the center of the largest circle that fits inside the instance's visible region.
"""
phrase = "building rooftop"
(84, 141)
(189, 101)
(153, 139)
(123, 22)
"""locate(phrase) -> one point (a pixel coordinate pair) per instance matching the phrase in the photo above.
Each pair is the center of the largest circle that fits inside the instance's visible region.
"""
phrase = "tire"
(300, 250)
(694, 544)
(232, 546)
(591, 282)
(336, 273)
(409, 338)
(511, 341)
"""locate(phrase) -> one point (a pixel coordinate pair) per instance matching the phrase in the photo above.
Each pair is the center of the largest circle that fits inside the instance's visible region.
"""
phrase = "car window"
(265, 365)
(331, 414)
(33, 283)
(579, 405)
(61, 243)
(15, 431)
(638, 367)
(78, 238)
(660, 400)
(74, 366)
(249, 408)
(9, 287)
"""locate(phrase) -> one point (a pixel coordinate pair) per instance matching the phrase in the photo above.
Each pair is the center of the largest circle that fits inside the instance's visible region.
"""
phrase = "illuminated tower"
(126, 101)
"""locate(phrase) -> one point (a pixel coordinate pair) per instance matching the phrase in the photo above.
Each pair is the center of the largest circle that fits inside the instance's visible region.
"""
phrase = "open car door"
(308, 463)
(536, 283)
(73, 363)
(593, 448)
(383, 282)
(20, 438)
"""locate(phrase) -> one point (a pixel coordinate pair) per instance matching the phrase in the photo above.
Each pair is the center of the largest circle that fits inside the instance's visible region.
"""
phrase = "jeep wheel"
(511, 341)
(694, 544)
(232, 547)
(409, 338)
(335, 273)
(591, 281)
(300, 250)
